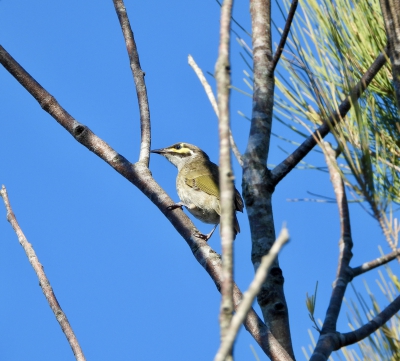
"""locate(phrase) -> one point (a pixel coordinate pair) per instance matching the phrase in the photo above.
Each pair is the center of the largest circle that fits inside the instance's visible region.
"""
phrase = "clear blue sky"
(128, 283)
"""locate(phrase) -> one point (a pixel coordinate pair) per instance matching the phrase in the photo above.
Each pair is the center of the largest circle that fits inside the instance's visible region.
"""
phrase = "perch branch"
(140, 176)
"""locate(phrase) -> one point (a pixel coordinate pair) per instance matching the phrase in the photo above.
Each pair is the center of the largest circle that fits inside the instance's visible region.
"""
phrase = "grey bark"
(391, 18)
(257, 189)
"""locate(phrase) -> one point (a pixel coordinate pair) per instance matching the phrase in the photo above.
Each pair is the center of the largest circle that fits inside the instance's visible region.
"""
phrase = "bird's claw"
(202, 236)
(206, 237)
(174, 206)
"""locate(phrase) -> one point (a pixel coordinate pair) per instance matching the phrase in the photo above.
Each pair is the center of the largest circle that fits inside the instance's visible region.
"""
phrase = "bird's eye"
(178, 146)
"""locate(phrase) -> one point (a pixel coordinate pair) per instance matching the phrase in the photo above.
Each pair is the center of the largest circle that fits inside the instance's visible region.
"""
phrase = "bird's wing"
(207, 180)
(204, 183)
(204, 179)
(238, 201)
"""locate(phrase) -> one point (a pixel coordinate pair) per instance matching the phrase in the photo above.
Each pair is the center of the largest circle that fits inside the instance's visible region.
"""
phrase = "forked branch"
(257, 192)
(138, 76)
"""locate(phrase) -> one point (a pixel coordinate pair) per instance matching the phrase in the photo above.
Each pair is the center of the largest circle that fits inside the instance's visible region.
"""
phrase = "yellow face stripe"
(182, 150)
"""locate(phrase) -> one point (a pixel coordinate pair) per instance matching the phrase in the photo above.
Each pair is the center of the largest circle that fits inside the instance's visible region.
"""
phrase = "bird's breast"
(203, 206)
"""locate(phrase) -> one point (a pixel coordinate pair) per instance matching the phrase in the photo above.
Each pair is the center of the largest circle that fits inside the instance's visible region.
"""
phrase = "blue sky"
(128, 283)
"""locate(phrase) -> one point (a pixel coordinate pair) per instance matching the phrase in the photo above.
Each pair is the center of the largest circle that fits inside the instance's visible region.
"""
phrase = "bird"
(197, 185)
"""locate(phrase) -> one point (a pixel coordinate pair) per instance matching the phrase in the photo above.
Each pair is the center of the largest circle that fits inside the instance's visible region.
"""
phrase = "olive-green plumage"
(197, 184)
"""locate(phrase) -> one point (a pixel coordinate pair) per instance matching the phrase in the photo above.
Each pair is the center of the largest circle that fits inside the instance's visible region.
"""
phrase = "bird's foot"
(175, 206)
(206, 237)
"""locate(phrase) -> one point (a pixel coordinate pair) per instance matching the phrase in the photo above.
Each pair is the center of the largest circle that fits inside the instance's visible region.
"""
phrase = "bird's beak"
(159, 151)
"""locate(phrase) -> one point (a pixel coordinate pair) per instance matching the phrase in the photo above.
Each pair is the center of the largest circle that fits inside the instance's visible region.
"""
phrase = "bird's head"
(180, 154)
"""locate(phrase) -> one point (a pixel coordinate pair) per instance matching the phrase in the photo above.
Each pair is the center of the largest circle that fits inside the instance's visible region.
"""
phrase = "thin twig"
(223, 78)
(44, 283)
(250, 295)
(343, 276)
(140, 176)
(237, 23)
(364, 331)
(334, 341)
(281, 170)
(213, 102)
(284, 35)
(204, 83)
(138, 76)
(368, 266)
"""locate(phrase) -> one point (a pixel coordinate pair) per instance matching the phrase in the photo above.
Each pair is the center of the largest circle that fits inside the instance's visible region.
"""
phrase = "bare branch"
(325, 344)
(256, 185)
(370, 327)
(223, 78)
(250, 295)
(284, 35)
(213, 102)
(368, 266)
(343, 276)
(333, 341)
(204, 83)
(44, 283)
(140, 176)
(138, 76)
(391, 17)
(281, 170)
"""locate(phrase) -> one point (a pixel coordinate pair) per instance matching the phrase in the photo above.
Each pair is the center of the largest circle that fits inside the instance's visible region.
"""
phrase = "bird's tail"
(236, 226)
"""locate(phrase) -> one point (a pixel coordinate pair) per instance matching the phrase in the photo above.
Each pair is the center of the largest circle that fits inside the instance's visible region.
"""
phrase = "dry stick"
(140, 176)
(213, 102)
(43, 280)
(343, 276)
(138, 76)
(223, 78)
(284, 35)
(250, 295)
(281, 170)
(368, 266)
